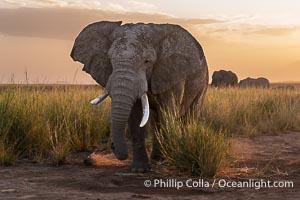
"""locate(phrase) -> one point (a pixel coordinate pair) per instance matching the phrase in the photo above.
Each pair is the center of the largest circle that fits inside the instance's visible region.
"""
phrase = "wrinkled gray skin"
(252, 82)
(224, 78)
(162, 60)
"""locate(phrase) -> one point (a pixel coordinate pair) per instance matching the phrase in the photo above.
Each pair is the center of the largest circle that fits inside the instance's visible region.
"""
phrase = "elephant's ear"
(179, 56)
(91, 47)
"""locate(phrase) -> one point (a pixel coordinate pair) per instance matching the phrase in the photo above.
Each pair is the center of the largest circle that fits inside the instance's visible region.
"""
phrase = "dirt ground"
(268, 157)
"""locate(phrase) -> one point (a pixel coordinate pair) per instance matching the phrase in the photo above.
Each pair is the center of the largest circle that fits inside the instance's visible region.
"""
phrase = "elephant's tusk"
(100, 98)
(146, 109)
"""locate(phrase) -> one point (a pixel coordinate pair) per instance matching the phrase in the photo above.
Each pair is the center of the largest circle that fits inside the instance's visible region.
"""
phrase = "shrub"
(191, 146)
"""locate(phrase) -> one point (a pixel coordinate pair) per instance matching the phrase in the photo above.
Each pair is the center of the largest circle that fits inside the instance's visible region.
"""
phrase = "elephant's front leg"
(156, 154)
(140, 161)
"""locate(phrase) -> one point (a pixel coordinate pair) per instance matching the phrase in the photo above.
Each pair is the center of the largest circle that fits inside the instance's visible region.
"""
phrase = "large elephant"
(255, 82)
(224, 78)
(143, 68)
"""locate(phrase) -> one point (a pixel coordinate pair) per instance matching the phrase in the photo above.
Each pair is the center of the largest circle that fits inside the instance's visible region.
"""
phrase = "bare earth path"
(273, 158)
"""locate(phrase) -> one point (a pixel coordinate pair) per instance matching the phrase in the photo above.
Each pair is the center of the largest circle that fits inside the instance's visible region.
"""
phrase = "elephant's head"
(133, 59)
(217, 78)
(224, 78)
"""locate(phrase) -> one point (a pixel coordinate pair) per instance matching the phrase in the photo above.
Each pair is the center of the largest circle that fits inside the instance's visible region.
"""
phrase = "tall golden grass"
(38, 122)
(252, 111)
(49, 123)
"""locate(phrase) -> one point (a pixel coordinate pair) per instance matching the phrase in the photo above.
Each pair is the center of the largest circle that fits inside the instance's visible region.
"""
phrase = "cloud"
(66, 23)
(141, 5)
(49, 3)
(257, 30)
(115, 7)
(30, 3)
(273, 31)
(80, 4)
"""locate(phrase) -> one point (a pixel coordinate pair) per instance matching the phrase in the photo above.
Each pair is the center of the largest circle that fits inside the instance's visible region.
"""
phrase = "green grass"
(51, 122)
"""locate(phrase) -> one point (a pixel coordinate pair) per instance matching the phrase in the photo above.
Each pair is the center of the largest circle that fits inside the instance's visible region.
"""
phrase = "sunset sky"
(252, 38)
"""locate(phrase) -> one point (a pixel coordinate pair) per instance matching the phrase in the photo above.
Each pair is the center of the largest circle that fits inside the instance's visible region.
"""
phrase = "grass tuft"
(8, 154)
(191, 146)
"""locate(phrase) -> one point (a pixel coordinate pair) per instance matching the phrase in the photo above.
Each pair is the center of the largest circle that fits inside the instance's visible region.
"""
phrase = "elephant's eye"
(146, 61)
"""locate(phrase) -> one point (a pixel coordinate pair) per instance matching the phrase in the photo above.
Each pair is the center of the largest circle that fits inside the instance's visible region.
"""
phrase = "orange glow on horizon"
(39, 40)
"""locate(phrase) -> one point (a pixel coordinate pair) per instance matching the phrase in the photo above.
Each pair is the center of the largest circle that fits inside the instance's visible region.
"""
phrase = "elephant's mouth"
(144, 100)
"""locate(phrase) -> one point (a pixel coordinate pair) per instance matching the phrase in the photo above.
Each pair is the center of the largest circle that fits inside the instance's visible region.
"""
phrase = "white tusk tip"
(99, 98)
(95, 101)
(143, 124)
(146, 110)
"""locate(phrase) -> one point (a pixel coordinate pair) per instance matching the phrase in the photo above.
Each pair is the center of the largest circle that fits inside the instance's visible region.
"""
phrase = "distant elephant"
(142, 67)
(224, 78)
(285, 87)
(252, 82)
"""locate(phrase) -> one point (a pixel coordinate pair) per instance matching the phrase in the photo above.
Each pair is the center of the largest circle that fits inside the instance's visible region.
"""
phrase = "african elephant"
(285, 87)
(224, 78)
(142, 67)
(252, 82)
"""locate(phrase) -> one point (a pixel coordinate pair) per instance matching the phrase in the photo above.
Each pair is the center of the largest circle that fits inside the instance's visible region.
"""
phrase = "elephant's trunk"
(122, 89)
(125, 86)
(120, 110)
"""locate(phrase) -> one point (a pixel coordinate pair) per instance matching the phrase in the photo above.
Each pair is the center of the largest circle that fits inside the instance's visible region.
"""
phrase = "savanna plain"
(55, 145)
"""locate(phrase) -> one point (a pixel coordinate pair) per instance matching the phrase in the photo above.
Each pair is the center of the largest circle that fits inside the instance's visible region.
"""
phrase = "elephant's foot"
(156, 154)
(138, 166)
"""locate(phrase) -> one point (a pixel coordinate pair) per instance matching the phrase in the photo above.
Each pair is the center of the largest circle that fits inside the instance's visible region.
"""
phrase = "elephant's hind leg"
(140, 161)
(194, 91)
